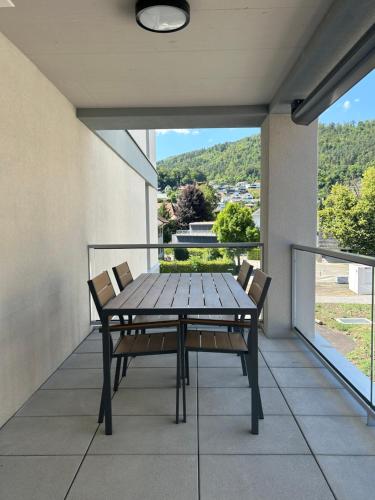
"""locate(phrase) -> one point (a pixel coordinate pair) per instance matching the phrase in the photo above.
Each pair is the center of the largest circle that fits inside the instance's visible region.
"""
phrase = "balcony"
(313, 442)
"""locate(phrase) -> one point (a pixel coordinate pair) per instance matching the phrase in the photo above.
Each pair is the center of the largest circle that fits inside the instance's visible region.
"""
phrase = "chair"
(135, 345)
(232, 342)
(123, 278)
(244, 274)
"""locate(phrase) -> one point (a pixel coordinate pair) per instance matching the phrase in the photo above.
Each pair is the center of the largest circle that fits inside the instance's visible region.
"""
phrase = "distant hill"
(345, 150)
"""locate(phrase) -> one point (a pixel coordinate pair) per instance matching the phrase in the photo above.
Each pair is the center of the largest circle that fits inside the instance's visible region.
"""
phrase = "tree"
(212, 199)
(235, 224)
(350, 219)
(191, 206)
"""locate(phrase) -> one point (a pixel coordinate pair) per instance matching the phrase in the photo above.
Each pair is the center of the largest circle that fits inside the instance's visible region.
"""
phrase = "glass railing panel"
(333, 309)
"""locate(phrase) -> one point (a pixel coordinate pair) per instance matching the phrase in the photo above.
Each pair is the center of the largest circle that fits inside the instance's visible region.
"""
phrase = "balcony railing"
(333, 310)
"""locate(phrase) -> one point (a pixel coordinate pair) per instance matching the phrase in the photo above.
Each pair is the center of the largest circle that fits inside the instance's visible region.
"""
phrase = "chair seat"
(212, 341)
(218, 317)
(147, 343)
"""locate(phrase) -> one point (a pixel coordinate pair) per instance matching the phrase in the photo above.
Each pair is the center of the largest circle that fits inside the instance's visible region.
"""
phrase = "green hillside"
(345, 150)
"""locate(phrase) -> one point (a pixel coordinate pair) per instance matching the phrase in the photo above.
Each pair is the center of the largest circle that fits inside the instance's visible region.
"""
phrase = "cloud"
(347, 105)
(356, 100)
(183, 131)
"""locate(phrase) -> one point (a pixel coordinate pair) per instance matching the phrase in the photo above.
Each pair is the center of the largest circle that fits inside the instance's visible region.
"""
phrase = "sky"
(356, 105)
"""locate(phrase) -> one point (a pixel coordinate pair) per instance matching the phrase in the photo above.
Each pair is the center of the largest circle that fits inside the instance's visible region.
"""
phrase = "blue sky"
(357, 104)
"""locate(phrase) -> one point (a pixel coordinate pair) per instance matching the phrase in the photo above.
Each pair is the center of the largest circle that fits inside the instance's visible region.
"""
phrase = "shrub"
(181, 253)
(198, 266)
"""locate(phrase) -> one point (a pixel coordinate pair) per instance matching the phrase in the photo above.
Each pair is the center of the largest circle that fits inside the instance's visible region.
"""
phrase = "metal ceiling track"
(356, 64)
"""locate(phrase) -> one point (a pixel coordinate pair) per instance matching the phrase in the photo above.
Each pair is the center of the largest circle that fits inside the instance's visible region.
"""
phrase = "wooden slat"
(166, 297)
(125, 344)
(244, 274)
(156, 342)
(192, 340)
(181, 298)
(135, 298)
(196, 298)
(238, 293)
(117, 302)
(237, 341)
(211, 298)
(208, 340)
(154, 293)
(225, 294)
(222, 340)
(170, 342)
(124, 274)
(141, 343)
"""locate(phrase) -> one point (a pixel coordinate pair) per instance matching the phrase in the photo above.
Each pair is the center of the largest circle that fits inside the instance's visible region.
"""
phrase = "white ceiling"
(233, 52)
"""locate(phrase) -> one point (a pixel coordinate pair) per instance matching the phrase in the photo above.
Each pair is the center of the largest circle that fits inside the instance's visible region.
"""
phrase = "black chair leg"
(187, 367)
(243, 363)
(117, 374)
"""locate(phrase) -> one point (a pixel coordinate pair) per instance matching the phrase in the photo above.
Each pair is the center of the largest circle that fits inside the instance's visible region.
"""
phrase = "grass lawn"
(360, 355)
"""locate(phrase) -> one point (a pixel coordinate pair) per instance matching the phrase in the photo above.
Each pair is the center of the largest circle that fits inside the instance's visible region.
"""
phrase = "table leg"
(183, 370)
(107, 403)
(178, 376)
(254, 373)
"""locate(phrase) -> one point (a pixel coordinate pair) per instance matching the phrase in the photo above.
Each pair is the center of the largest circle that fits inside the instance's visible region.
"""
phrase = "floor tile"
(305, 377)
(90, 378)
(36, 478)
(62, 402)
(89, 360)
(338, 435)
(161, 361)
(262, 478)
(96, 335)
(267, 344)
(137, 478)
(151, 402)
(322, 402)
(231, 435)
(232, 377)
(47, 435)
(351, 478)
(220, 360)
(235, 401)
(291, 359)
(89, 346)
(147, 435)
(154, 377)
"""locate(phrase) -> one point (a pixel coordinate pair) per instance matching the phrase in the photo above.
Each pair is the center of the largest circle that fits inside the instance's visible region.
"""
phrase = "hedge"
(198, 266)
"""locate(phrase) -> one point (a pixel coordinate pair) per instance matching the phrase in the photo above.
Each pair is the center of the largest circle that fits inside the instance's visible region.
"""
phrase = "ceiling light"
(163, 16)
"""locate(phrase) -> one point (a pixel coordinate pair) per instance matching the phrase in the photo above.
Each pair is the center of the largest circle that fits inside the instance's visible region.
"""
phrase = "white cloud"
(356, 100)
(183, 131)
(195, 131)
(347, 105)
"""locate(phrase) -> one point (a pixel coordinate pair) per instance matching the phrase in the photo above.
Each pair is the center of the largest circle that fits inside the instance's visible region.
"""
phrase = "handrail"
(351, 257)
(145, 246)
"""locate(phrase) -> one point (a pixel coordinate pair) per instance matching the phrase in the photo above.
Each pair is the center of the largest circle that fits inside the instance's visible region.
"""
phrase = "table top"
(179, 294)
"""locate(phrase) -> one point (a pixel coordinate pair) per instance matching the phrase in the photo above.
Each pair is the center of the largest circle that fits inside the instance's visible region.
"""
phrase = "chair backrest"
(123, 275)
(102, 291)
(259, 288)
(244, 274)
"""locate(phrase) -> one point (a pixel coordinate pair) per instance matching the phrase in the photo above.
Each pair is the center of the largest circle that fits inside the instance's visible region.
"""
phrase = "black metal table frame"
(252, 365)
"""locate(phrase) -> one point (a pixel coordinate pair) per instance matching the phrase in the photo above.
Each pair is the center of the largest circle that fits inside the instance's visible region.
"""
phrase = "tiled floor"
(313, 443)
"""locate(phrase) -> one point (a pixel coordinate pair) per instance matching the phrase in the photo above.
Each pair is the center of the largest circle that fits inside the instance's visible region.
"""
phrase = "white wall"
(60, 189)
(288, 215)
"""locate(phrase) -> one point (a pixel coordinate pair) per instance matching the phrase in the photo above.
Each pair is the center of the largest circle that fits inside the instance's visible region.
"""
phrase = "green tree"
(212, 199)
(349, 218)
(235, 224)
(191, 206)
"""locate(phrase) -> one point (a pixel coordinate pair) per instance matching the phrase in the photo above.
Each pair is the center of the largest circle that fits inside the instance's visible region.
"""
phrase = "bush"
(253, 254)
(198, 266)
(181, 254)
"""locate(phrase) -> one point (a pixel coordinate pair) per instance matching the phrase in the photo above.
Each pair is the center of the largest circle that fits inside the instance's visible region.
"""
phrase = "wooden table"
(181, 295)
